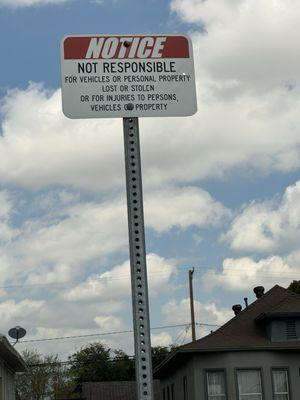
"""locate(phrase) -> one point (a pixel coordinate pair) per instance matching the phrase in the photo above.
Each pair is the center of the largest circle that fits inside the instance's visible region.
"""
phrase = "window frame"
(206, 371)
(261, 381)
(287, 370)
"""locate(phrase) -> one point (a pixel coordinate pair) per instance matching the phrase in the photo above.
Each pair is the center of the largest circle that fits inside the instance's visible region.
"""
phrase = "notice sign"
(127, 76)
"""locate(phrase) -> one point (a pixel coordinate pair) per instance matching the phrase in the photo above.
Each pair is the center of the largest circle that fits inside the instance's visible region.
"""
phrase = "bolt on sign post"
(130, 76)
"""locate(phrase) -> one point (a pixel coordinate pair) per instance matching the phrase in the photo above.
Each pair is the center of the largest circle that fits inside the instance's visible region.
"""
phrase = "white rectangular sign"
(127, 76)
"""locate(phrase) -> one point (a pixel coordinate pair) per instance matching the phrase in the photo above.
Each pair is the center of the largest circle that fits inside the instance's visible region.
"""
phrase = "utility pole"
(191, 272)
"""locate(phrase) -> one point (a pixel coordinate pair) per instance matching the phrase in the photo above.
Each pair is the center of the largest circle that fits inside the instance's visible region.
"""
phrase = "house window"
(249, 384)
(185, 392)
(291, 330)
(216, 389)
(280, 384)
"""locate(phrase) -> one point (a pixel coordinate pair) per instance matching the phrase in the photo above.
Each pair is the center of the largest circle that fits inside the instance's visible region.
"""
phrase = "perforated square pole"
(140, 302)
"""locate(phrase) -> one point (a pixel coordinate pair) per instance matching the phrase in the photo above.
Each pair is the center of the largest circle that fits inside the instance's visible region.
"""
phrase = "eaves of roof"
(11, 357)
(242, 333)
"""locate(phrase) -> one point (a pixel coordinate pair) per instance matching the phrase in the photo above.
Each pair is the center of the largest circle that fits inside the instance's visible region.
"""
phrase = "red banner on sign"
(125, 47)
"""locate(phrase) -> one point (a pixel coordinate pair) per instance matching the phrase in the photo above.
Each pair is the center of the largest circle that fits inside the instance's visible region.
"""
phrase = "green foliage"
(122, 367)
(90, 363)
(48, 379)
(159, 353)
(45, 377)
(295, 287)
(95, 363)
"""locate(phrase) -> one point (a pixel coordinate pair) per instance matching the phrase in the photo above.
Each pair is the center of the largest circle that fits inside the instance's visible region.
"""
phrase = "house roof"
(124, 390)
(10, 355)
(242, 332)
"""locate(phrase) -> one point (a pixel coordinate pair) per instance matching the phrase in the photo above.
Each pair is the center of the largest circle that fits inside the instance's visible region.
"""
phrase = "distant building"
(10, 363)
(114, 390)
(256, 355)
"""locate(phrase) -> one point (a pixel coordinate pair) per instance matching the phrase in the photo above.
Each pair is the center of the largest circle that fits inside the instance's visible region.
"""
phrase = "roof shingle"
(243, 332)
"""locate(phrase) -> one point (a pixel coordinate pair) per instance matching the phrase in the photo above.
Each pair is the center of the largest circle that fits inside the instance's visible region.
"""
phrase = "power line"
(95, 280)
(109, 333)
(67, 362)
(181, 332)
(180, 270)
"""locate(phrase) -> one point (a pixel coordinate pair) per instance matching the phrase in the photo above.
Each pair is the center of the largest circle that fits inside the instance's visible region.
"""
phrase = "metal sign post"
(140, 303)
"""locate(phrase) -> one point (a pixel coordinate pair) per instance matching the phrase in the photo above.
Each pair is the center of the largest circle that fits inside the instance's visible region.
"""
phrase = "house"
(10, 363)
(256, 355)
(125, 390)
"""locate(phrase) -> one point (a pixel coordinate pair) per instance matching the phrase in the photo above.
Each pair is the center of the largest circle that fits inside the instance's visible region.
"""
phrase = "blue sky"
(221, 187)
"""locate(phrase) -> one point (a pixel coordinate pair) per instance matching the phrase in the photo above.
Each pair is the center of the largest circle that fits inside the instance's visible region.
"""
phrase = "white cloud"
(182, 207)
(28, 3)
(69, 233)
(268, 226)
(55, 319)
(84, 232)
(207, 12)
(163, 339)
(7, 233)
(233, 128)
(31, 3)
(58, 246)
(116, 283)
(178, 312)
(233, 50)
(84, 154)
(248, 94)
(14, 313)
(243, 274)
(109, 323)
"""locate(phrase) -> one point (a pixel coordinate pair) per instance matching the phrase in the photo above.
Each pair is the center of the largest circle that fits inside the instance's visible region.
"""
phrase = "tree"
(47, 377)
(96, 363)
(295, 286)
(159, 353)
(122, 367)
(44, 379)
(90, 363)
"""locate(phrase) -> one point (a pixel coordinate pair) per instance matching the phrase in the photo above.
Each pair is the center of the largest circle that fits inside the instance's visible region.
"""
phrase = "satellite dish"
(17, 333)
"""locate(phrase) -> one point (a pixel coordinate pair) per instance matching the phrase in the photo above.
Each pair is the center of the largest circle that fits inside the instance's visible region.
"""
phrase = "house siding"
(195, 371)
(8, 382)
(186, 370)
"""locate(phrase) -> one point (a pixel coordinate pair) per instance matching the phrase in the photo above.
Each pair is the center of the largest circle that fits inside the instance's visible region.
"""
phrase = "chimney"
(259, 291)
(237, 308)
(246, 301)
